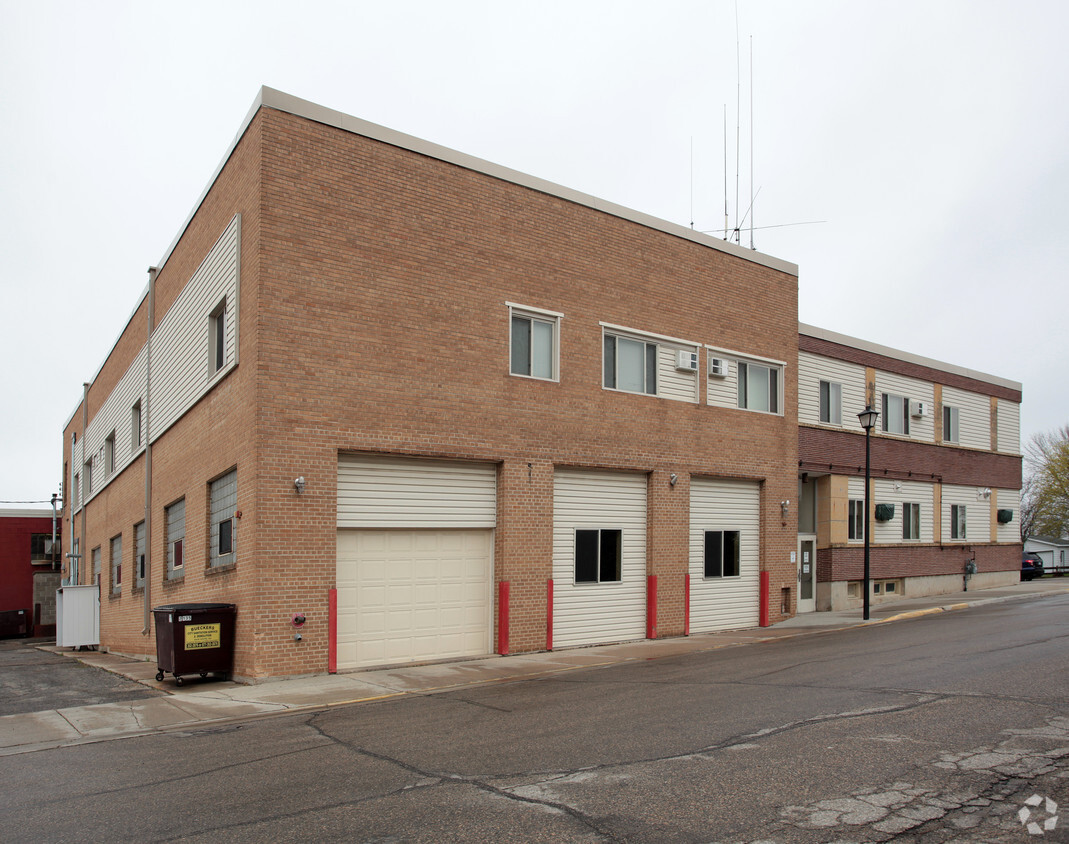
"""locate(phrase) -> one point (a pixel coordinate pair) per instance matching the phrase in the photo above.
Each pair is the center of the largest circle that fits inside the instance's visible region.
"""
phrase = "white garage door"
(599, 506)
(415, 559)
(723, 508)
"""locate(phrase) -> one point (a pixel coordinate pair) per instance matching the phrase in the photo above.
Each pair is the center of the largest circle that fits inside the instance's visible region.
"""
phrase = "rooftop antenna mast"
(738, 107)
(752, 195)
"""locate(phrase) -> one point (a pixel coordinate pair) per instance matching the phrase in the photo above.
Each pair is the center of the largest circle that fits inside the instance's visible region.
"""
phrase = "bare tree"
(1045, 497)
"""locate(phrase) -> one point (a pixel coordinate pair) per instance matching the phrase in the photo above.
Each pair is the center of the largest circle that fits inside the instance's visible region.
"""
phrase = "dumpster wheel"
(159, 676)
(178, 681)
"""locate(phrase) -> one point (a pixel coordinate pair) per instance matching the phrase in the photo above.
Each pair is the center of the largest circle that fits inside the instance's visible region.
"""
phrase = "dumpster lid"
(184, 608)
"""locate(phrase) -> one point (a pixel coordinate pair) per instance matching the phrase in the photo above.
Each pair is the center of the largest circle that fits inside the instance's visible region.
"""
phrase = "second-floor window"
(911, 520)
(533, 343)
(855, 525)
(895, 414)
(831, 403)
(950, 424)
(957, 521)
(759, 387)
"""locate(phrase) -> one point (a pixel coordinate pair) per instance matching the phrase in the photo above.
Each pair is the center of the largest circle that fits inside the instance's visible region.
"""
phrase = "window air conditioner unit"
(918, 409)
(687, 361)
(718, 367)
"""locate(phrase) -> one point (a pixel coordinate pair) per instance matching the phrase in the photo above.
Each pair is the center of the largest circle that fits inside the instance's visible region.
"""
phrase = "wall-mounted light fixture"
(672, 479)
(983, 492)
(784, 507)
(298, 484)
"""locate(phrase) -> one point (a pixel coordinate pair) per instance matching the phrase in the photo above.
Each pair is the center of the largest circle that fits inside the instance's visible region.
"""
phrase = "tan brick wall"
(373, 318)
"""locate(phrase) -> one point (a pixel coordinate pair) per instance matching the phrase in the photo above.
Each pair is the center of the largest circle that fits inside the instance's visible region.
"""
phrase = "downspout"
(54, 497)
(85, 505)
(148, 449)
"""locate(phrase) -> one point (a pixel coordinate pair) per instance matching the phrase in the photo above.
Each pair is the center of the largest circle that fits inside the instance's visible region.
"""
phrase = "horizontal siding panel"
(1009, 427)
(899, 493)
(1009, 499)
(180, 370)
(812, 369)
(724, 603)
(977, 514)
(598, 613)
(379, 491)
(114, 415)
(674, 383)
(974, 417)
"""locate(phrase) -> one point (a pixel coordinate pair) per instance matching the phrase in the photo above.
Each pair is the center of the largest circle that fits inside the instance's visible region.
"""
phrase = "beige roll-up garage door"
(599, 605)
(415, 559)
(725, 600)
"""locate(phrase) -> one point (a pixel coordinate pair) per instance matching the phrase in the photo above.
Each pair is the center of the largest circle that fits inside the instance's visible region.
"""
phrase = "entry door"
(807, 573)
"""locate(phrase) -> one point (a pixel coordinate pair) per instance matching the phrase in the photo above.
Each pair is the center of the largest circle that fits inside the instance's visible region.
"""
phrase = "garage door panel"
(413, 595)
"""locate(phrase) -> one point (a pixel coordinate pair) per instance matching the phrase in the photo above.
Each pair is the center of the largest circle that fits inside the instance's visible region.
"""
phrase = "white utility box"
(77, 616)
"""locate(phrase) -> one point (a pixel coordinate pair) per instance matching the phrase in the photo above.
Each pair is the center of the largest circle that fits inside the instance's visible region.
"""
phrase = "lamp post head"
(868, 417)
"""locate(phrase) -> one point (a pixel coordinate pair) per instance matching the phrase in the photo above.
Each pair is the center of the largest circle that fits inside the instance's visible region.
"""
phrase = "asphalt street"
(939, 729)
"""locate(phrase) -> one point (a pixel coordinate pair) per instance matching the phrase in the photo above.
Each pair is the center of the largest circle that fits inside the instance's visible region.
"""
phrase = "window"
(831, 403)
(139, 555)
(77, 488)
(950, 424)
(957, 521)
(42, 549)
(630, 365)
(135, 426)
(109, 454)
(911, 520)
(116, 564)
(87, 480)
(722, 553)
(895, 414)
(759, 387)
(217, 338)
(597, 556)
(533, 346)
(96, 562)
(223, 495)
(175, 517)
(855, 528)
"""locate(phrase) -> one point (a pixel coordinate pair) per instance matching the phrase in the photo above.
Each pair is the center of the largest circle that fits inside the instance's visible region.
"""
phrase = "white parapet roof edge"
(897, 354)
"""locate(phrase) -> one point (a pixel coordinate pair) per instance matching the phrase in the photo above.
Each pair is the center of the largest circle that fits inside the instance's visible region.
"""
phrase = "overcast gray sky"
(931, 136)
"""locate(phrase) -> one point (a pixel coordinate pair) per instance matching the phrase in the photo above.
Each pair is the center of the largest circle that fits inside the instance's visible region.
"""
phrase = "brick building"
(439, 407)
(946, 470)
(29, 573)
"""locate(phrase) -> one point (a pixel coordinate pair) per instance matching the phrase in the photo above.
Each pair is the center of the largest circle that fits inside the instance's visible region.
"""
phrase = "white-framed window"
(223, 495)
(759, 386)
(135, 426)
(957, 521)
(855, 519)
(109, 454)
(217, 338)
(175, 524)
(116, 564)
(911, 520)
(139, 555)
(77, 491)
(831, 403)
(895, 414)
(87, 480)
(534, 342)
(950, 424)
(722, 553)
(598, 555)
(630, 364)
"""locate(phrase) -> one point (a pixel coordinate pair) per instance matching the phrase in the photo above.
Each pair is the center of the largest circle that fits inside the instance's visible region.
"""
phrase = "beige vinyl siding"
(114, 415)
(885, 492)
(974, 417)
(722, 391)
(723, 603)
(596, 613)
(1009, 427)
(914, 390)
(675, 383)
(977, 514)
(407, 492)
(1009, 499)
(812, 369)
(180, 344)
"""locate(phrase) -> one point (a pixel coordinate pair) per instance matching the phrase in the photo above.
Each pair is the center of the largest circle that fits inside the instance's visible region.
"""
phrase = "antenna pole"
(692, 181)
(738, 118)
(725, 171)
(752, 197)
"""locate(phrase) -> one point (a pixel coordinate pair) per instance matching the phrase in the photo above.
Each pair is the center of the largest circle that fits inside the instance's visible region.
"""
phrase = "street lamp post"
(867, 417)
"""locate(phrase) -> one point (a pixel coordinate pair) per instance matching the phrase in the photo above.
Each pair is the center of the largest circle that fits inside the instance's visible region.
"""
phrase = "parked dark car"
(1031, 565)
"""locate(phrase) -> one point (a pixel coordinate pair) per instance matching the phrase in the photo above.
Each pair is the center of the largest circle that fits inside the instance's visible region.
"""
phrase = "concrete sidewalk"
(211, 701)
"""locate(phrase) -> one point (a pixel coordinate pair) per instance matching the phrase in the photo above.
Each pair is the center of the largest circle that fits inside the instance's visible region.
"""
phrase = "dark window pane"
(714, 553)
(731, 553)
(178, 553)
(610, 361)
(651, 368)
(773, 390)
(521, 346)
(610, 556)
(226, 536)
(586, 556)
